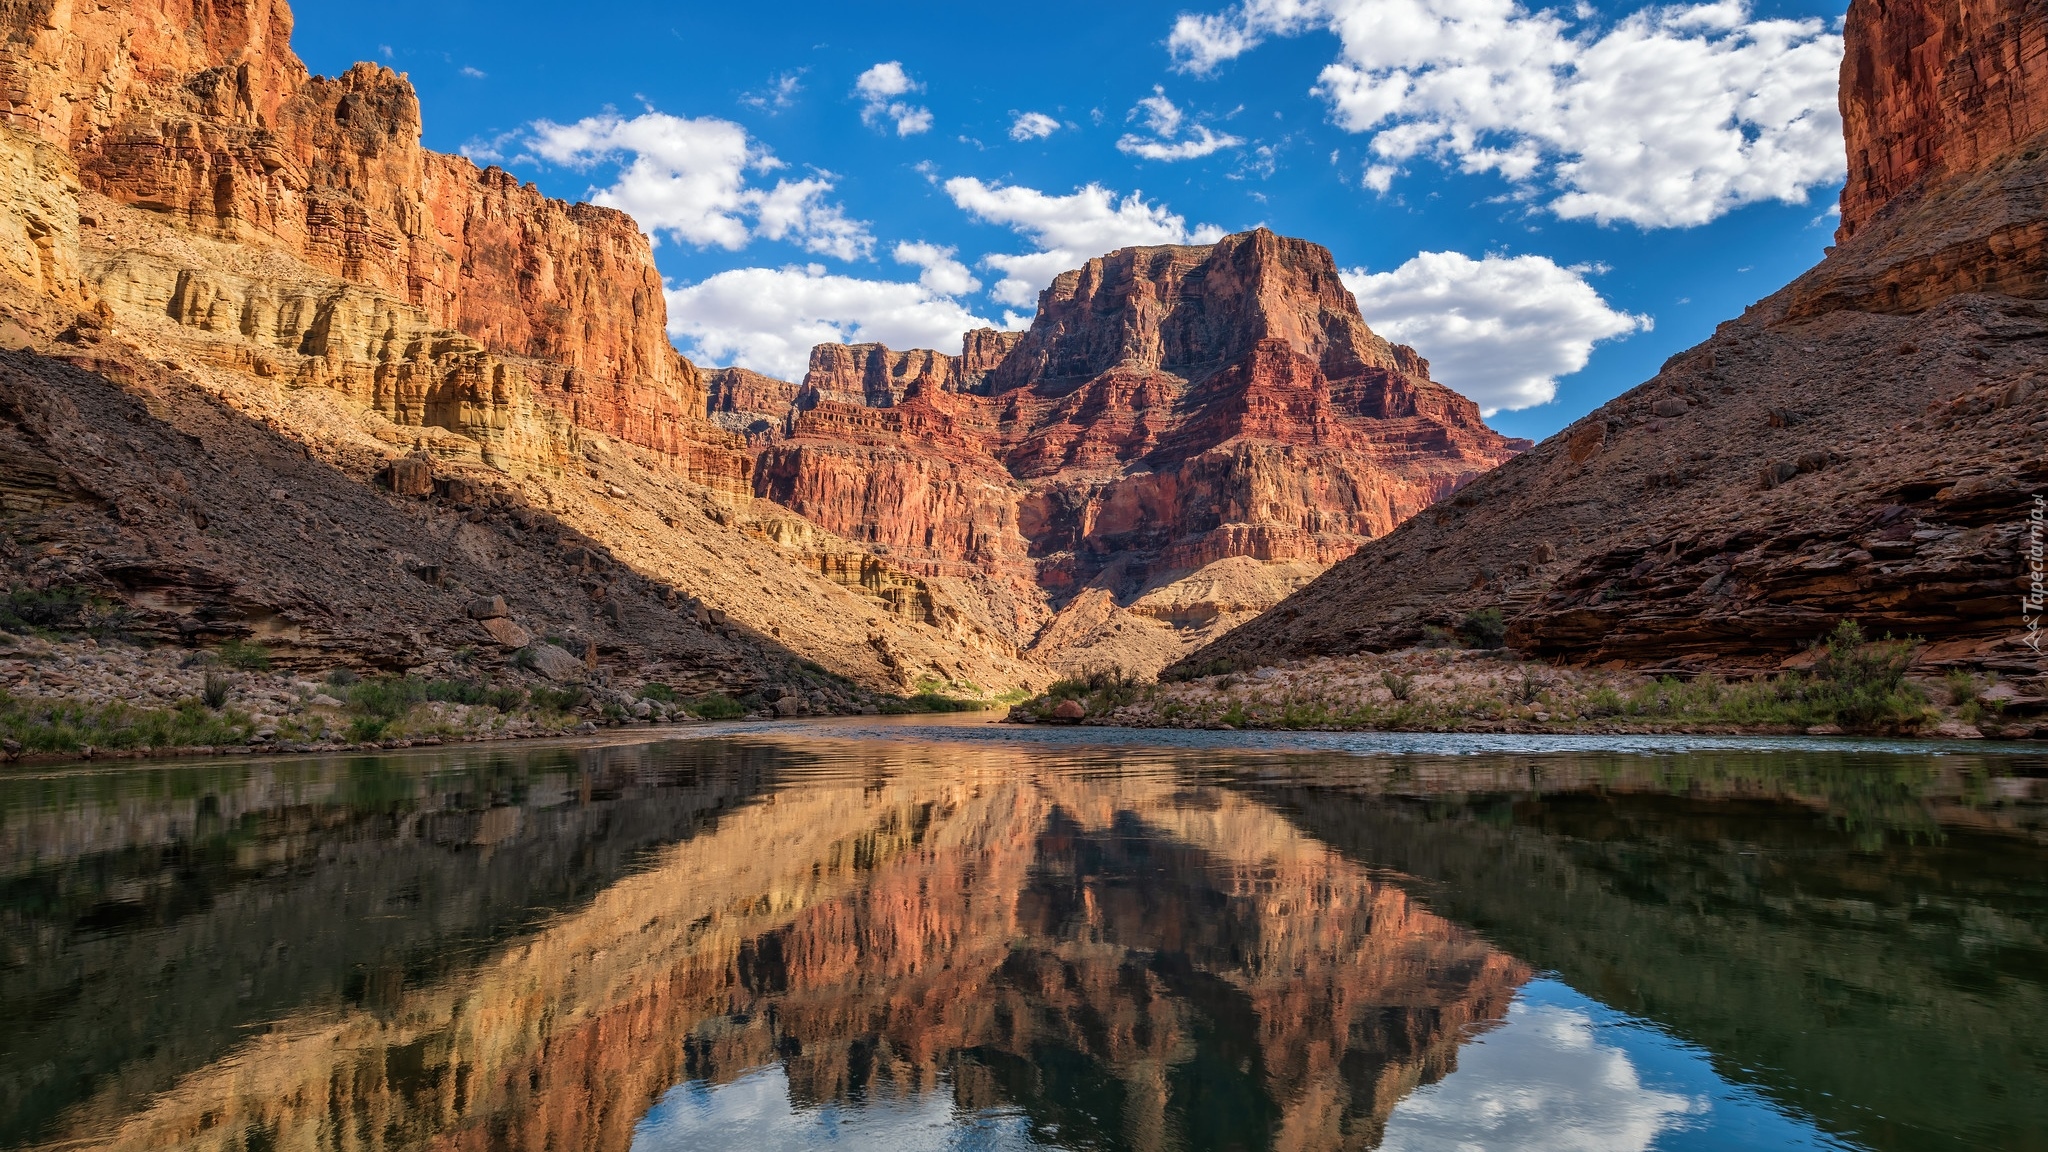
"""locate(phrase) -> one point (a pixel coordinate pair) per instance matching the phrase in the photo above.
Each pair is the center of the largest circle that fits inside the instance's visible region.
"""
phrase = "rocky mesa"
(1866, 443)
(1182, 436)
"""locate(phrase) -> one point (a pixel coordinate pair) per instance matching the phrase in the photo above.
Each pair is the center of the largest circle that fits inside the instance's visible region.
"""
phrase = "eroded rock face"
(1170, 407)
(1934, 89)
(1863, 444)
(205, 115)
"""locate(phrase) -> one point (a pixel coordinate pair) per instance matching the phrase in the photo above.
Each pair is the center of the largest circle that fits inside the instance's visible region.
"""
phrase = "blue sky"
(1539, 199)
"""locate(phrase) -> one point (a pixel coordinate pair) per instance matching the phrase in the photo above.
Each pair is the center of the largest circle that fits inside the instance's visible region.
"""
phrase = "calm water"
(912, 936)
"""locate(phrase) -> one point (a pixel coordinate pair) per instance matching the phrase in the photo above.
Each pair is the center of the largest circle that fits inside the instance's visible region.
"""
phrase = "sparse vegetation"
(1483, 628)
(715, 706)
(1854, 684)
(213, 690)
(659, 693)
(58, 726)
(246, 655)
(47, 611)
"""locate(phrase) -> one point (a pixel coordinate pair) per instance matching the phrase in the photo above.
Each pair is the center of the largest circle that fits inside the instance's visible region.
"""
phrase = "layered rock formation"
(1865, 443)
(1170, 409)
(200, 229)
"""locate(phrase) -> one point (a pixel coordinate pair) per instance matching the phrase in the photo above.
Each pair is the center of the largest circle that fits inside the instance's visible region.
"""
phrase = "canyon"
(359, 384)
(1866, 443)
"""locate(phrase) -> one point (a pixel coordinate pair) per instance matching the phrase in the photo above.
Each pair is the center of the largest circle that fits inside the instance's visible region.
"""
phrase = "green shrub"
(342, 677)
(715, 706)
(557, 700)
(246, 655)
(506, 699)
(1961, 685)
(1400, 686)
(659, 693)
(385, 698)
(63, 609)
(69, 725)
(213, 691)
(366, 729)
(1435, 637)
(1483, 628)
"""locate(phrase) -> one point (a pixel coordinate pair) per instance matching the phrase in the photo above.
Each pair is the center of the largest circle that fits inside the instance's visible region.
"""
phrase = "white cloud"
(1500, 330)
(779, 94)
(1066, 229)
(767, 319)
(1165, 121)
(474, 73)
(879, 87)
(1669, 117)
(1544, 1080)
(688, 179)
(941, 273)
(1033, 126)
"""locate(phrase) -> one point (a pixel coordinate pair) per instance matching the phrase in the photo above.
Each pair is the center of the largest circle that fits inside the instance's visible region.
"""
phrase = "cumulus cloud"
(1669, 117)
(880, 89)
(1066, 229)
(1164, 122)
(1033, 126)
(940, 272)
(1544, 1080)
(1500, 329)
(767, 319)
(688, 179)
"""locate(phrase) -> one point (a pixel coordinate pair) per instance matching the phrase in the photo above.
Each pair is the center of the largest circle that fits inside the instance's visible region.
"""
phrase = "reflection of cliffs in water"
(153, 918)
(1824, 938)
(1025, 939)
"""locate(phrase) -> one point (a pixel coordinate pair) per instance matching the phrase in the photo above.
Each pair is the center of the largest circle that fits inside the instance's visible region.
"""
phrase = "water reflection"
(784, 940)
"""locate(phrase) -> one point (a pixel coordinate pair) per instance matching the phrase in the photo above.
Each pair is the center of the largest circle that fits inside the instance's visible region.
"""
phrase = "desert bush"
(1435, 637)
(244, 654)
(659, 693)
(1483, 628)
(1961, 685)
(213, 690)
(1400, 686)
(70, 725)
(715, 706)
(558, 699)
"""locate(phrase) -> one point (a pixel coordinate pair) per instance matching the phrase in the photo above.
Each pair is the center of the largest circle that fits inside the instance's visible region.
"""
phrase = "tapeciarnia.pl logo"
(2032, 604)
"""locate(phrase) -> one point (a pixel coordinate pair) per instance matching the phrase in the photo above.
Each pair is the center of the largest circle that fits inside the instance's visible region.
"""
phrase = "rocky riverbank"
(64, 697)
(1835, 689)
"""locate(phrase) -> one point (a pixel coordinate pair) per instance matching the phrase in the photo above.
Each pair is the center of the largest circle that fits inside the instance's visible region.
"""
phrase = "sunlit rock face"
(1169, 408)
(1067, 946)
(1860, 444)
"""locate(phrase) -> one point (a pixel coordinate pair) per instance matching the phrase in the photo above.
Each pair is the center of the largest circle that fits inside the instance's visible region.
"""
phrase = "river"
(912, 934)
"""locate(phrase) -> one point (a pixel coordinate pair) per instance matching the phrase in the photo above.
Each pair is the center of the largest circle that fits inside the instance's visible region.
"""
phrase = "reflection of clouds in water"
(1545, 1079)
(754, 1114)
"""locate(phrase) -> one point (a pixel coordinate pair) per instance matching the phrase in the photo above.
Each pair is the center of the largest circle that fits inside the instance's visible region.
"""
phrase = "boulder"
(554, 663)
(1670, 408)
(409, 476)
(1069, 710)
(789, 706)
(507, 632)
(491, 609)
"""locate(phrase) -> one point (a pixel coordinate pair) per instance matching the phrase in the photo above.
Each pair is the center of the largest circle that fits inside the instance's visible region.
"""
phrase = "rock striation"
(253, 264)
(1865, 443)
(1170, 408)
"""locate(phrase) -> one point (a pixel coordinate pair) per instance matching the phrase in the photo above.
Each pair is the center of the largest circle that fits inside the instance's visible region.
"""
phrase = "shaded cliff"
(205, 229)
(1170, 408)
(1864, 443)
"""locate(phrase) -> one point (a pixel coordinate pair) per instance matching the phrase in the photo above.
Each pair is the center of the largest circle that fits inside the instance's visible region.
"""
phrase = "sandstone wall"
(201, 112)
(1936, 88)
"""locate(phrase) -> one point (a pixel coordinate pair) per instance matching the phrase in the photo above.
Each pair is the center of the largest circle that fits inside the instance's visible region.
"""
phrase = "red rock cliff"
(200, 110)
(1169, 407)
(1932, 89)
